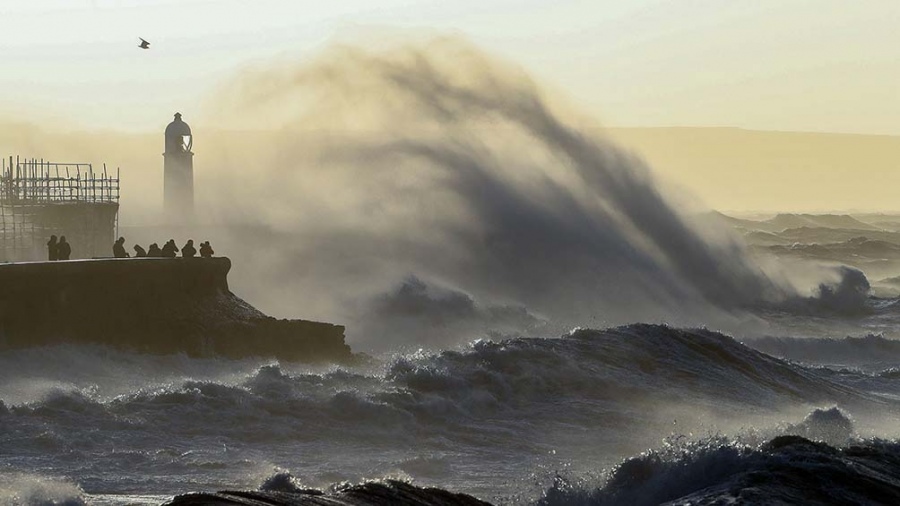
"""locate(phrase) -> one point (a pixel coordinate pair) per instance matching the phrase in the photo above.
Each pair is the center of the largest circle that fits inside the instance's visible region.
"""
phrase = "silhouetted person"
(64, 249)
(52, 249)
(139, 252)
(188, 250)
(206, 250)
(119, 248)
(169, 249)
(154, 251)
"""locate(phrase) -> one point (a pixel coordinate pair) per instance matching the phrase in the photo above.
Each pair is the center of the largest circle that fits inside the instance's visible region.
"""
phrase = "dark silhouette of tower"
(178, 187)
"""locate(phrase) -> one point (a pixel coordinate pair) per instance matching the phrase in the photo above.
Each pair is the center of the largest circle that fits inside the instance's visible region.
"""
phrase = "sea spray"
(29, 489)
(441, 162)
(334, 179)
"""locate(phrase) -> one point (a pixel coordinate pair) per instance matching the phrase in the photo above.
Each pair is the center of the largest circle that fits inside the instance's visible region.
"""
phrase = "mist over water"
(442, 164)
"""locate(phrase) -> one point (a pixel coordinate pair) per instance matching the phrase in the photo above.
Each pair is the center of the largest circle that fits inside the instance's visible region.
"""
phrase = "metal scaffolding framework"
(40, 198)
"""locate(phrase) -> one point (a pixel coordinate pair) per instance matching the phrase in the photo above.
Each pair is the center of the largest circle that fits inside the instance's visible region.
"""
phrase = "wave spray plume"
(445, 163)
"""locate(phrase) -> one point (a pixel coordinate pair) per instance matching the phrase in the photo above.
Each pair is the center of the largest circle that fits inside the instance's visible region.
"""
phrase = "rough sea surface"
(521, 420)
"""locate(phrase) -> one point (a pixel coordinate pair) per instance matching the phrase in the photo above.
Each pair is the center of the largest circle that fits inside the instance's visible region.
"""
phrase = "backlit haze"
(811, 66)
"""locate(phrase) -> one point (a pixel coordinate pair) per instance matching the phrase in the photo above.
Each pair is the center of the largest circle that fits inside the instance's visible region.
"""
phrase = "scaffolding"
(40, 198)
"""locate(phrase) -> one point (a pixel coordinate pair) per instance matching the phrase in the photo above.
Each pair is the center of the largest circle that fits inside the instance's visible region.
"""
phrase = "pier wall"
(154, 305)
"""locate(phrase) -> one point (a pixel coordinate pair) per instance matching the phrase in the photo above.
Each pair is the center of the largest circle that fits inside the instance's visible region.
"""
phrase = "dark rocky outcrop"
(390, 492)
(155, 305)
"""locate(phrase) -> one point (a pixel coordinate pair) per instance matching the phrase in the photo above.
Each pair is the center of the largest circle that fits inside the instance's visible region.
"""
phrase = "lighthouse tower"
(178, 172)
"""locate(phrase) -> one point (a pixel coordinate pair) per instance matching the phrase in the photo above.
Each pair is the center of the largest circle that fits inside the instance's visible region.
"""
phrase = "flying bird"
(144, 44)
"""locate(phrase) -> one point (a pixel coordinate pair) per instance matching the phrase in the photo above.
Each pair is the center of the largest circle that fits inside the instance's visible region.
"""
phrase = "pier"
(151, 305)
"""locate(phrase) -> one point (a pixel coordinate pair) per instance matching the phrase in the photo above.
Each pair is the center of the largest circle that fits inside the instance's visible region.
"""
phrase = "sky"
(790, 65)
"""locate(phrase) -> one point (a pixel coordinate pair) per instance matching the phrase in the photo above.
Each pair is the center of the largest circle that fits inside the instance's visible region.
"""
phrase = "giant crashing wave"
(441, 162)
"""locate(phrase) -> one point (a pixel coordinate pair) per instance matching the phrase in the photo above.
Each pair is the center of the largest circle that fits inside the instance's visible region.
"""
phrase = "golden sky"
(746, 171)
(797, 65)
(805, 65)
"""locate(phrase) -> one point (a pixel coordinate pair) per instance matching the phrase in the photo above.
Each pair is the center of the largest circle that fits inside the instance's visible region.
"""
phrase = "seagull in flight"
(144, 44)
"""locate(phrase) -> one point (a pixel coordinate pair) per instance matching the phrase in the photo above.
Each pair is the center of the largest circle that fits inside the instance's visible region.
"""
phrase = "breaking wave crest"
(867, 351)
(466, 175)
(817, 461)
(513, 399)
(20, 489)
(788, 469)
(484, 378)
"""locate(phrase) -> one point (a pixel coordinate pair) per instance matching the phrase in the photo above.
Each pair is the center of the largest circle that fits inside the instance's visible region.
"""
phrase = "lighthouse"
(178, 172)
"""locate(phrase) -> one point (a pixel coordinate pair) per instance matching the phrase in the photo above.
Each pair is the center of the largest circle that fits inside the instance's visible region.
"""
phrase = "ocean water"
(507, 421)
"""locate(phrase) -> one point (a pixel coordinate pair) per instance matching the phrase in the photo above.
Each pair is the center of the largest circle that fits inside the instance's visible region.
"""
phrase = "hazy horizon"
(762, 107)
(732, 170)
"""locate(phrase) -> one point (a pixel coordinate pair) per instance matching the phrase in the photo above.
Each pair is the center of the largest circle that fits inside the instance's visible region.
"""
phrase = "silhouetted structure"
(119, 248)
(188, 250)
(52, 249)
(178, 191)
(154, 251)
(169, 249)
(139, 252)
(63, 248)
(149, 306)
(206, 250)
(40, 198)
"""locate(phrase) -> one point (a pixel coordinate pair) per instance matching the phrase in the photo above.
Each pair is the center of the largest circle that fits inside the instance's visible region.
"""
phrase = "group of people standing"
(169, 250)
(58, 249)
